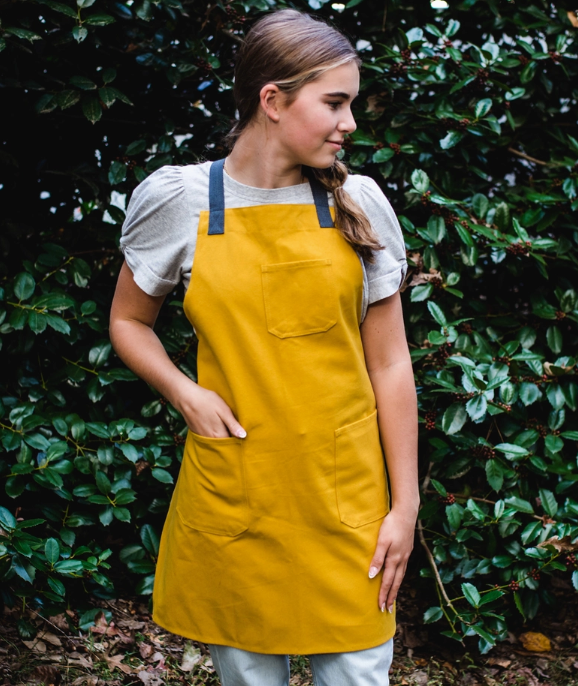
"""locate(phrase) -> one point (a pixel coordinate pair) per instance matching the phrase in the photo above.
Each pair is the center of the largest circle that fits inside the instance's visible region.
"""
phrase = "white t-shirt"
(159, 233)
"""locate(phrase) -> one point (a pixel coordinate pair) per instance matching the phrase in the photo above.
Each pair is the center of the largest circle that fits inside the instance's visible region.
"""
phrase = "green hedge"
(466, 119)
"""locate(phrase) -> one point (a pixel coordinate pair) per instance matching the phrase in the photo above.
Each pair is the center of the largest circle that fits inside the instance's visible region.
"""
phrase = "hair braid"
(350, 218)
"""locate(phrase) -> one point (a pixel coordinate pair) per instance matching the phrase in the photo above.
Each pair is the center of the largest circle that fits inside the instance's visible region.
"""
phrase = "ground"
(131, 649)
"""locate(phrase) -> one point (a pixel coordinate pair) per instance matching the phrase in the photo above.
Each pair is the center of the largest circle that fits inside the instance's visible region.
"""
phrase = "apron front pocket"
(360, 481)
(299, 297)
(211, 494)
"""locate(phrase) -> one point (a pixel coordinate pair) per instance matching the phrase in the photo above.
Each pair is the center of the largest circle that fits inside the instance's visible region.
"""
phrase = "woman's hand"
(132, 317)
(206, 413)
(394, 546)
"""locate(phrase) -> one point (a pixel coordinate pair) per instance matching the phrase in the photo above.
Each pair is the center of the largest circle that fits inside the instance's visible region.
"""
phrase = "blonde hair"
(290, 49)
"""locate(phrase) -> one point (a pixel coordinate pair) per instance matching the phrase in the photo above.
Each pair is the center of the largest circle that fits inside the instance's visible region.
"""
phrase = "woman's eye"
(334, 105)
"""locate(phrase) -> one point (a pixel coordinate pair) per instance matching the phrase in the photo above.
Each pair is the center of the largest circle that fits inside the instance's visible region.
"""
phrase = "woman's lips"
(335, 145)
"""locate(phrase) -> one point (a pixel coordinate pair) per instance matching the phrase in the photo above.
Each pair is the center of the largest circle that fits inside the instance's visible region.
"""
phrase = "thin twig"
(466, 497)
(434, 566)
(424, 487)
(533, 159)
(45, 619)
(426, 481)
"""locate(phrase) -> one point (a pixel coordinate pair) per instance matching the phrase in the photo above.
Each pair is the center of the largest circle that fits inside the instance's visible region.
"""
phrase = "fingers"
(394, 589)
(378, 557)
(207, 414)
(391, 581)
(229, 420)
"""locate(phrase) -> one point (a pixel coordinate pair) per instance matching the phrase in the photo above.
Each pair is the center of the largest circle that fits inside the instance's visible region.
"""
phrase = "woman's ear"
(270, 101)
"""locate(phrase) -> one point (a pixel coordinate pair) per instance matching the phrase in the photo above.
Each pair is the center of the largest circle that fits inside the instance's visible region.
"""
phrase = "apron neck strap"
(321, 203)
(217, 200)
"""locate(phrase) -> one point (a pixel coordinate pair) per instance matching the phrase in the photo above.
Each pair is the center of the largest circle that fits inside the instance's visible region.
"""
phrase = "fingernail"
(241, 433)
(383, 607)
(372, 572)
(390, 608)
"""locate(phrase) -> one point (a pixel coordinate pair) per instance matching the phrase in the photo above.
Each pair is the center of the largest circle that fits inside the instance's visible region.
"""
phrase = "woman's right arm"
(132, 318)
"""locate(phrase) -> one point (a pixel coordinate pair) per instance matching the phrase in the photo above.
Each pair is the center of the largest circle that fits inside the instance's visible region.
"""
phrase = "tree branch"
(433, 565)
(533, 159)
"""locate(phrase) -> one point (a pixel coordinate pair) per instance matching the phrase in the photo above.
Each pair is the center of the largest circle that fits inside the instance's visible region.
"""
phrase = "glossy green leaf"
(52, 550)
(116, 173)
(472, 594)
(23, 286)
(434, 614)
(420, 180)
(91, 108)
(454, 418)
(483, 107)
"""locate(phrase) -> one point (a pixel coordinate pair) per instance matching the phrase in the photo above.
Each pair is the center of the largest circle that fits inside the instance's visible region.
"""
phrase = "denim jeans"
(368, 667)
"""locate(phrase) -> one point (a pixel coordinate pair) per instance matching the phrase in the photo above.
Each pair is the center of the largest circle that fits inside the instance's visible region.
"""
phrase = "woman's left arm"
(389, 366)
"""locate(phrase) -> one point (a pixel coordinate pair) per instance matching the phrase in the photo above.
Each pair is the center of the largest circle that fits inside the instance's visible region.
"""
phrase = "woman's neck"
(257, 161)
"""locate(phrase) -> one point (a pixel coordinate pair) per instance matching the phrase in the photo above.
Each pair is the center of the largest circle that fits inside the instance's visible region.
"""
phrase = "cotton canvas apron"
(268, 539)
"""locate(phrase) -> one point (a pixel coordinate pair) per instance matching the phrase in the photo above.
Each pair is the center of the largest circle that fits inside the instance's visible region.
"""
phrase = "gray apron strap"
(217, 200)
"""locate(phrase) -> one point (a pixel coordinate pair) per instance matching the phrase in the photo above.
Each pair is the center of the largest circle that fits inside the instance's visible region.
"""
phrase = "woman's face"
(312, 128)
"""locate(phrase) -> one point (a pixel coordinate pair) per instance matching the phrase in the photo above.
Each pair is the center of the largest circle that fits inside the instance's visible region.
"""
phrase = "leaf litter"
(131, 649)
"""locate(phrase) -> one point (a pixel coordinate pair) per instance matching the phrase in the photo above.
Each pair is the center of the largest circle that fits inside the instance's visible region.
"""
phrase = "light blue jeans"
(369, 667)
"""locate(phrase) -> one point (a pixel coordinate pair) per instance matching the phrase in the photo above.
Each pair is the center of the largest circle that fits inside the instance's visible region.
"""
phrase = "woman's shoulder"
(373, 201)
(364, 189)
(170, 181)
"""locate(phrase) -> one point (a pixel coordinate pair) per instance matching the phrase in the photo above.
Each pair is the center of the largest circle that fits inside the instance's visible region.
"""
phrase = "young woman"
(280, 538)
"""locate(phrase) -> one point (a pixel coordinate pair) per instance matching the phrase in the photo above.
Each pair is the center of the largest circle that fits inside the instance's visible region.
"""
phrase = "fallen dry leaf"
(59, 621)
(86, 681)
(101, 626)
(372, 105)
(78, 660)
(36, 646)
(159, 658)
(526, 673)
(49, 638)
(499, 661)
(420, 278)
(150, 679)
(53, 657)
(562, 545)
(130, 624)
(573, 17)
(191, 657)
(419, 678)
(116, 662)
(535, 642)
(44, 674)
(145, 650)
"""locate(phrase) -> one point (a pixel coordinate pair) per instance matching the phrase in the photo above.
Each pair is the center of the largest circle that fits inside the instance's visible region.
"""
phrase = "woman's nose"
(348, 125)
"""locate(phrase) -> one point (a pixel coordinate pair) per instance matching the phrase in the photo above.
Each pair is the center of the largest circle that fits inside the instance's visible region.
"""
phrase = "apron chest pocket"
(360, 480)
(299, 297)
(211, 494)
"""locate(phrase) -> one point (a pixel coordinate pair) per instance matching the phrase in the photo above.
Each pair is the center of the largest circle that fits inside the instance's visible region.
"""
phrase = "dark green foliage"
(467, 119)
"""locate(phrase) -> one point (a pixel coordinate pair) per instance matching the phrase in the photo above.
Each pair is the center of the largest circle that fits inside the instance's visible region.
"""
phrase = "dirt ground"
(130, 649)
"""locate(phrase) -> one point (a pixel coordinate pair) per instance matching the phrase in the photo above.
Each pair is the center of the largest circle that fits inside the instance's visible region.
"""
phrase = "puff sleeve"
(387, 273)
(155, 240)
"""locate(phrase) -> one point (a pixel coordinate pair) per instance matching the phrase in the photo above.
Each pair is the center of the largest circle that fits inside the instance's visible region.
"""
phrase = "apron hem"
(293, 649)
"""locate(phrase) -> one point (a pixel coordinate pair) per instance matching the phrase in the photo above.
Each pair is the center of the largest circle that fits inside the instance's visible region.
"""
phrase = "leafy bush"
(466, 119)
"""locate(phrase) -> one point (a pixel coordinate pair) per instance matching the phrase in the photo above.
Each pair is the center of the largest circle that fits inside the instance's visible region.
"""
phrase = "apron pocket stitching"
(360, 477)
(211, 494)
(299, 297)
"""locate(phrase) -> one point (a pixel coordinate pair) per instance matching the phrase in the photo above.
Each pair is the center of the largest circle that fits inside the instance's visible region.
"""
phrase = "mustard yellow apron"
(268, 539)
